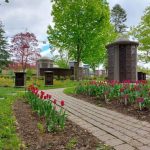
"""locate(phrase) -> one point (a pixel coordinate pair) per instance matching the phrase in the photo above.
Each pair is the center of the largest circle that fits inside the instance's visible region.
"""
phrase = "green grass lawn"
(58, 84)
(10, 91)
(8, 137)
(69, 90)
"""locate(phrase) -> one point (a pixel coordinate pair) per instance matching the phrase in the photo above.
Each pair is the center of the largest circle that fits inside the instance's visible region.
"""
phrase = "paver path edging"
(113, 128)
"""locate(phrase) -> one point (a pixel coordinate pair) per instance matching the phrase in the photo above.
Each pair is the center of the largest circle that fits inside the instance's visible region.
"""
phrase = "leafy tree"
(24, 49)
(143, 69)
(61, 63)
(79, 27)
(118, 18)
(101, 56)
(4, 55)
(142, 33)
(61, 58)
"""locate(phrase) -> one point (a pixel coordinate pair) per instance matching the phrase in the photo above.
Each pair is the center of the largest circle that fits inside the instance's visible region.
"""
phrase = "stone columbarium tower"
(122, 60)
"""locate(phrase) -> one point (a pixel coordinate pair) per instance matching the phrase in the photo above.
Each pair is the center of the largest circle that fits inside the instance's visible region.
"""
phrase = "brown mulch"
(35, 140)
(133, 111)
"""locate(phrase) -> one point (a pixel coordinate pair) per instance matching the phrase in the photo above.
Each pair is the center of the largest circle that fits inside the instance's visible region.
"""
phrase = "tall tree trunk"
(94, 70)
(78, 62)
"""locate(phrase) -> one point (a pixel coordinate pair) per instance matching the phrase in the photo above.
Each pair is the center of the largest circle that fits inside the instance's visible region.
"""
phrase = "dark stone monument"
(20, 78)
(141, 76)
(144, 76)
(122, 60)
(48, 78)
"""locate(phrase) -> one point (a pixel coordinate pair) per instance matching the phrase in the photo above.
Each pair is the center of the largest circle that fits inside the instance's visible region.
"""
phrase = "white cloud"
(33, 15)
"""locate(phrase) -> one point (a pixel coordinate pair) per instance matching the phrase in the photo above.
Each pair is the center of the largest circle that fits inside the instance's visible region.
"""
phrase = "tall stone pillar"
(122, 60)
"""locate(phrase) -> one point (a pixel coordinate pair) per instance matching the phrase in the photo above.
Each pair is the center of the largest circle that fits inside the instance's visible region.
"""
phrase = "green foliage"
(114, 90)
(9, 91)
(55, 118)
(29, 72)
(71, 143)
(96, 53)
(40, 127)
(6, 81)
(62, 63)
(8, 137)
(80, 27)
(11, 73)
(4, 55)
(70, 90)
(141, 69)
(142, 32)
(57, 84)
(104, 147)
(118, 18)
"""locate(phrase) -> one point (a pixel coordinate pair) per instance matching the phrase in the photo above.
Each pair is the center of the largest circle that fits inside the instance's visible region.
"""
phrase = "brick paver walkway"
(115, 129)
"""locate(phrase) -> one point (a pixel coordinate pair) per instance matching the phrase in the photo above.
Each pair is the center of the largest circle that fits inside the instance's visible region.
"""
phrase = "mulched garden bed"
(72, 138)
(134, 111)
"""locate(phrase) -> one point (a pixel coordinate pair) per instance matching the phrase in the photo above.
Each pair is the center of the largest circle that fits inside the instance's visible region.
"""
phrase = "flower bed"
(128, 93)
(31, 129)
(47, 107)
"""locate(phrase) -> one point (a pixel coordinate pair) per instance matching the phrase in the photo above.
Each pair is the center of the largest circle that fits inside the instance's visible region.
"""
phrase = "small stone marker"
(48, 78)
(20, 78)
(141, 76)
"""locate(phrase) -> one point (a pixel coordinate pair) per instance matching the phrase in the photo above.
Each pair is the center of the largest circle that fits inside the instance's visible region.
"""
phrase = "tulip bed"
(47, 107)
(128, 93)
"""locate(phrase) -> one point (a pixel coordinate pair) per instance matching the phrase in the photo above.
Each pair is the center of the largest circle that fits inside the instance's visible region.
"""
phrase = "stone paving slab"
(115, 129)
(124, 147)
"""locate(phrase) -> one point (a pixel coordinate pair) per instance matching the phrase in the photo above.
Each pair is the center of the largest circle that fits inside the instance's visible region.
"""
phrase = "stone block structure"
(122, 60)
(20, 79)
(43, 62)
(48, 78)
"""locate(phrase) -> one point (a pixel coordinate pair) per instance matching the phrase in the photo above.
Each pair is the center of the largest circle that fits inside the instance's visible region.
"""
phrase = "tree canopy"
(81, 27)
(4, 55)
(142, 33)
(118, 18)
(24, 49)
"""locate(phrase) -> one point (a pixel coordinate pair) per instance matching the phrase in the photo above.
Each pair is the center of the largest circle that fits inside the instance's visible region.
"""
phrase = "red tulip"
(42, 93)
(45, 97)
(41, 97)
(50, 96)
(62, 103)
(55, 101)
(122, 90)
(140, 99)
(126, 96)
